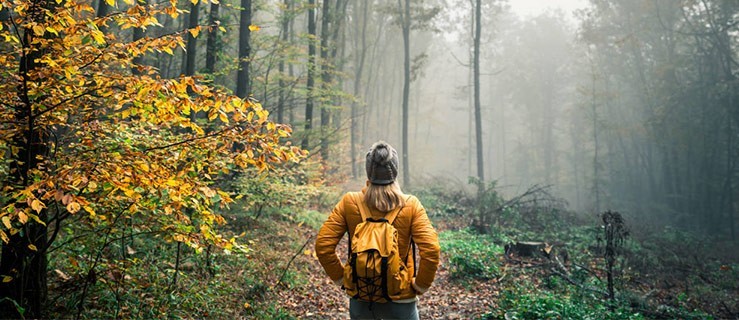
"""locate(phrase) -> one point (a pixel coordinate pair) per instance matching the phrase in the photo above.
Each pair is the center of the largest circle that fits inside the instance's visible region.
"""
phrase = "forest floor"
(320, 298)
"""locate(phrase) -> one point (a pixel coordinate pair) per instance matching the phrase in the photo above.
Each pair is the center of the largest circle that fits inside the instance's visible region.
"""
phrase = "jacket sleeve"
(328, 238)
(428, 248)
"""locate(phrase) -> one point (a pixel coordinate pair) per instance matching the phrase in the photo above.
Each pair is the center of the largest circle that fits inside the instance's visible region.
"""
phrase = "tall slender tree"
(243, 85)
(404, 10)
(212, 40)
(310, 82)
(359, 68)
(23, 254)
(326, 66)
(476, 79)
(285, 20)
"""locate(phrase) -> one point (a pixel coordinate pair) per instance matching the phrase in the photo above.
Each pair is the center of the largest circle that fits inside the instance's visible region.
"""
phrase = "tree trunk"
(478, 112)
(357, 86)
(212, 40)
(326, 67)
(103, 9)
(138, 34)
(242, 78)
(192, 42)
(310, 77)
(284, 34)
(405, 14)
(27, 267)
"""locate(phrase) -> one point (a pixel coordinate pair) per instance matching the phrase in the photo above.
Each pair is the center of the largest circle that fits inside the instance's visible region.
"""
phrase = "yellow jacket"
(412, 221)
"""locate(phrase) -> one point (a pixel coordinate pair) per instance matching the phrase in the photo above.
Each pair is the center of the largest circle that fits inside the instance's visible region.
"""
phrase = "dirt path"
(322, 299)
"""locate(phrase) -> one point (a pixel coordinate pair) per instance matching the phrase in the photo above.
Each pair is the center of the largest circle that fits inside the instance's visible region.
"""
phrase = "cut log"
(529, 249)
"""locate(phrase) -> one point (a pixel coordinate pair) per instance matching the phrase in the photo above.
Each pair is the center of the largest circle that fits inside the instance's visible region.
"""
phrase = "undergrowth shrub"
(516, 304)
(284, 187)
(470, 255)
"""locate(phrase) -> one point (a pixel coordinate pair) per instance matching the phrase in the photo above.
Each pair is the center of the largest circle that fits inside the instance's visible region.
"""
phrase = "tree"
(212, 40)
(326, 23)
(476, 75)
(359, 65)
(242, 80)
(86, 142)
(404, 10)
(191, 48)
(311, 74)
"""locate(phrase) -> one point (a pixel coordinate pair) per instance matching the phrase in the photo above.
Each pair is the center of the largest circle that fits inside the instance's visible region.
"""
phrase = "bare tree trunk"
(405, 15)
(311, 71)
(357, 85)
(138, 34)
(325, 78)
(212, 40)
(284, 36)
(103, 9)
(192, 42)
(478, 107)
(243, 85)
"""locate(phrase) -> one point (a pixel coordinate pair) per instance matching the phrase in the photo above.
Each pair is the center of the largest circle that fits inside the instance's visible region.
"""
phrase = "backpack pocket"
(349, 284)
(400, 283)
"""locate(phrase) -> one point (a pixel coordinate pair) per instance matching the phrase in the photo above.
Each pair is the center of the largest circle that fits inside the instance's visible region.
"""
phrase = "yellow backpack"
(375, 271)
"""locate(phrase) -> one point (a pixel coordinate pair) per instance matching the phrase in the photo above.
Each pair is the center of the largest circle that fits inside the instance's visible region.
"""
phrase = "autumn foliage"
(89, 137)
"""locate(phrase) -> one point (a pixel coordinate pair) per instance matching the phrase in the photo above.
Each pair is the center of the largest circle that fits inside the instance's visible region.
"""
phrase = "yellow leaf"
(32, 247)
(222, 29)
(254, 27)
(246, 304)
(98, 36)
(37, 205)
(38, 30)
(223, 117)
(7, 279)
(73, 207)
(144, 166)
(6, 222)
(37, 219)
(50, 29)
(307, 252)
(194, 32)
(89, 210)
(22, 217)
(110, 2)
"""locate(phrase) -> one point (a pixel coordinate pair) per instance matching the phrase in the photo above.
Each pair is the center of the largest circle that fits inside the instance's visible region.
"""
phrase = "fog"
(624, 105)
(629, 105)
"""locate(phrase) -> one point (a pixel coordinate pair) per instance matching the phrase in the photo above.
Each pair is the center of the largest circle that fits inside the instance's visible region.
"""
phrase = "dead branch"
(284, 271)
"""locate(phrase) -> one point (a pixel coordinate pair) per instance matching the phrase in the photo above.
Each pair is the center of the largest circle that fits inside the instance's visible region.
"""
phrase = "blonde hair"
(384, 198)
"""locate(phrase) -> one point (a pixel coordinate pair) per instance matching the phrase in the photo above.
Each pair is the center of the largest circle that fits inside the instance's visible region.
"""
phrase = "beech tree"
(85, 141)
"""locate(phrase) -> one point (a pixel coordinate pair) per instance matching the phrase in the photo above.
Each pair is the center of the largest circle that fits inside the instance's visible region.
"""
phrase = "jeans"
(390, 310)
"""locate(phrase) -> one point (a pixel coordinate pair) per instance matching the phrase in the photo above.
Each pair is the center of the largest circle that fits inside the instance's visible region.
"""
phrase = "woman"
(382, 198)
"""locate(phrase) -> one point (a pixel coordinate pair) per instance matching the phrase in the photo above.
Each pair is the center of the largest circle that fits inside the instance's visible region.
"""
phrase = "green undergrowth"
(522, 304)
(134, 279)
(660, 274)
(470, 255)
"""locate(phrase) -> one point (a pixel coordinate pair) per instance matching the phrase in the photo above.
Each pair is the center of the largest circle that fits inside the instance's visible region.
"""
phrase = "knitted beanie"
(382, 163)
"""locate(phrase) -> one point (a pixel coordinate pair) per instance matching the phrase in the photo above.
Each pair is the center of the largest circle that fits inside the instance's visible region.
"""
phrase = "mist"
(616, 105)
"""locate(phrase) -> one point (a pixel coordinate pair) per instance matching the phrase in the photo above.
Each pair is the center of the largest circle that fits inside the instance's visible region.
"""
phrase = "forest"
(579, 159)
